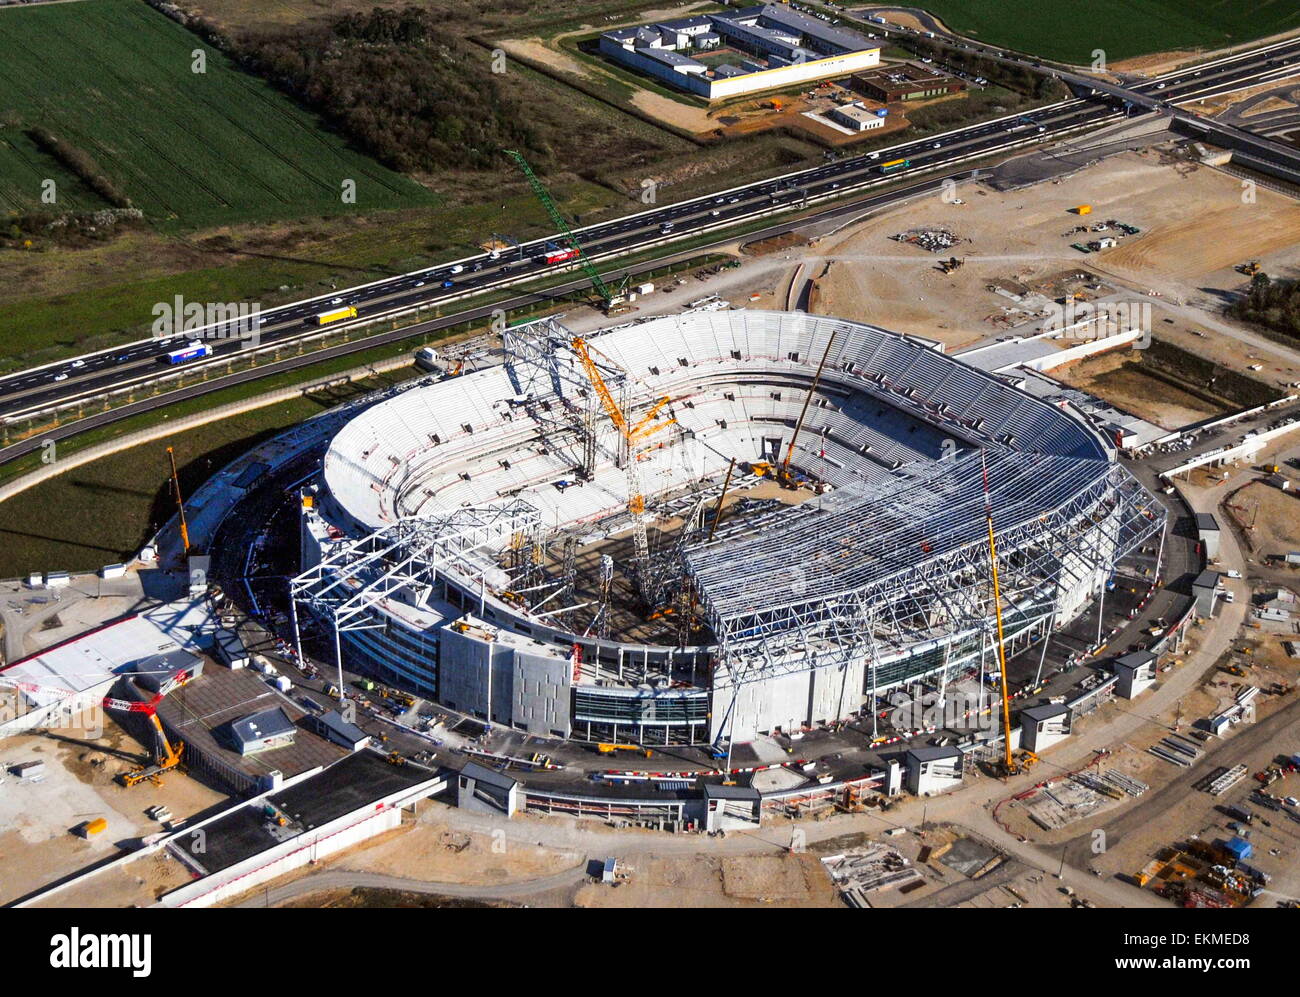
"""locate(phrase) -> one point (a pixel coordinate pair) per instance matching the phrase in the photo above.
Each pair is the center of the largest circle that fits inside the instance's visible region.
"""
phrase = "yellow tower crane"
(784, 476)
(1008, 762)
(634, 437)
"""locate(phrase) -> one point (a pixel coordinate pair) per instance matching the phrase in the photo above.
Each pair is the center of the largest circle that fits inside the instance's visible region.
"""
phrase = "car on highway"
(336, 301)
(61, 377)
(448, 283)
(458, 269)
(78, 364)
(419, 283)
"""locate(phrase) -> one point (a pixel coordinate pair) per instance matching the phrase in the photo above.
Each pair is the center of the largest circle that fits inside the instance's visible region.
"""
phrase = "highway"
(42, 387)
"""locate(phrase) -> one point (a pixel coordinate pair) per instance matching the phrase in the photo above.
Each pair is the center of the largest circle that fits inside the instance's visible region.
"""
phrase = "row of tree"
(1274, 303)
(80, 164)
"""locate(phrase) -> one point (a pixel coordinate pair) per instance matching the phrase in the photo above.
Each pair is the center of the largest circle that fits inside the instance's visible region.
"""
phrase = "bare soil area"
(1119, 379)
(1195, 227)
(438, 854)
(716, 881)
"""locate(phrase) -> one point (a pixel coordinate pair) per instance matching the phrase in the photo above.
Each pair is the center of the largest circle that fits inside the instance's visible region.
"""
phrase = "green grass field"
(114, 78)
(1070, 32)
(110, 507)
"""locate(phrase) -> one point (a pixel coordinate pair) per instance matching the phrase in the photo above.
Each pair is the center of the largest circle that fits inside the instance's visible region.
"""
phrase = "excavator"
(168, 755)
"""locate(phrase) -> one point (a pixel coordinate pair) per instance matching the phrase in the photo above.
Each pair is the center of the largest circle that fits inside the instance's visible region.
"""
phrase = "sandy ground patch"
(139, 883)
(1272, 515)
(438, 854)
(716, 881)
(1195, 229)
(37, 845)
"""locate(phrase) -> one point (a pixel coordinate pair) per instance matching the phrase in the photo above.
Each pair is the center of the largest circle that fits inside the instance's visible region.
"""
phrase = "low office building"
(1136, 671)
(482, 790)
(1207, 531)
(934, 769)
(1044, 725)
(1205, 590)
(336, 730)
(263, 731)
(856, 118)
(731, 808)
(908, 81)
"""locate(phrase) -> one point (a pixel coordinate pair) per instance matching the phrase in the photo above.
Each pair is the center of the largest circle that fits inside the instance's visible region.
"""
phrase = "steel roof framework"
(899, 600)
(350, 580)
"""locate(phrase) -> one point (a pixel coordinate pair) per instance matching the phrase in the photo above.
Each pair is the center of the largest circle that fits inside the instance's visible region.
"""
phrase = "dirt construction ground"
(1195, 228)
(1112, 376)
(715, 881)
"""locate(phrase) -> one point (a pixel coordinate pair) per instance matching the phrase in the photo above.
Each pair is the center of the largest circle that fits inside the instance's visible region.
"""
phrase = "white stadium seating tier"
(734, 380)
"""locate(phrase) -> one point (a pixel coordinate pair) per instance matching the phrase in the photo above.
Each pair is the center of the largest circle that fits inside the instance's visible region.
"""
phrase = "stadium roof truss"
(542, 365)
(358, 574)
(887, 568)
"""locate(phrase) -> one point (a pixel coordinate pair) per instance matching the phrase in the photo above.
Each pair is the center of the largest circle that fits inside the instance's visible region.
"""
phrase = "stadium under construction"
(703, 527)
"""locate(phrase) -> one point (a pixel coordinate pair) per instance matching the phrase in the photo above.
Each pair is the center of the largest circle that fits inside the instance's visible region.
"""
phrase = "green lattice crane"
(608, 295)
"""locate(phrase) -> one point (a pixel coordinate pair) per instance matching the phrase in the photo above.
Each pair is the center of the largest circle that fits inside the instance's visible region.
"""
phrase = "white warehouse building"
(794, 49)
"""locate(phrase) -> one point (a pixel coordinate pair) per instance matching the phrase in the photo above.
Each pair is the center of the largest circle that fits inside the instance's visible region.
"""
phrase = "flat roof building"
(787, 49)
(335, 729)
(1136, 671)
(1205, 590)
(934, 769)
(1207, 531)
(855, 117)
(728, 808)
(480, 789)
(907, 81)
(1044, 725)
(263, 731)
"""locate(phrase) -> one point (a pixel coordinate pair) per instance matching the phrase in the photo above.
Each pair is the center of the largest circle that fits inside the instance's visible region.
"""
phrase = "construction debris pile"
(1205, 874)
(872, 867)
(933, 239)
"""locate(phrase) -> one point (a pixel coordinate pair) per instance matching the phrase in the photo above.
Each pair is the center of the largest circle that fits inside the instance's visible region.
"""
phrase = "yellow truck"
(336, 315)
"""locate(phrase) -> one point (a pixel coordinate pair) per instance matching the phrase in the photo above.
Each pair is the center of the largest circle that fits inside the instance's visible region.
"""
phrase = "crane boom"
(784, 476)
(645, 427)
(1008, 762)
(557, 219)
